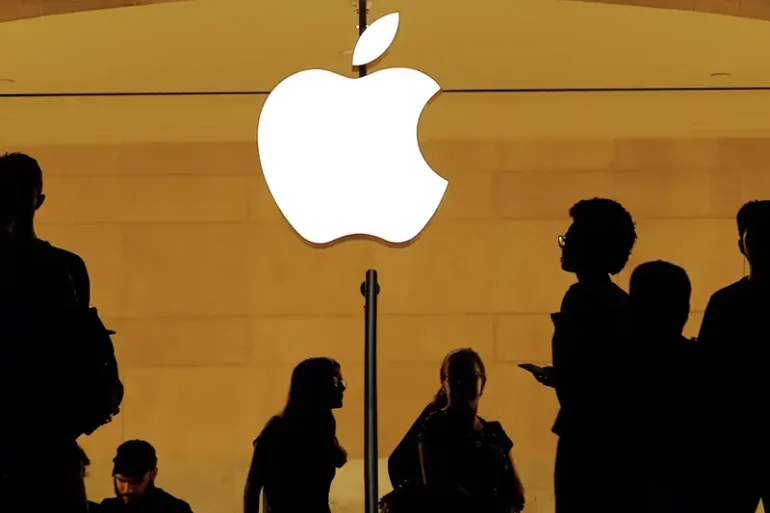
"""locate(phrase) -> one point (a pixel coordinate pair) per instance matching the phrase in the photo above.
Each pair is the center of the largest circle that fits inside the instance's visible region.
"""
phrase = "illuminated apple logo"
(341, 157)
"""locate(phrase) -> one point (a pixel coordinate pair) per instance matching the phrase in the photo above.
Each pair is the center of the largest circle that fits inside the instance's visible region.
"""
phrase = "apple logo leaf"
(375, 40)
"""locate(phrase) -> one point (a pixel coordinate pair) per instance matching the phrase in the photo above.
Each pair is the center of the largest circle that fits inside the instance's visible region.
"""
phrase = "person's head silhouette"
(316, 387)
(463, 377)
(21, 192)
(754, 231)
(660, 297)
(599, 240)
(134, 470)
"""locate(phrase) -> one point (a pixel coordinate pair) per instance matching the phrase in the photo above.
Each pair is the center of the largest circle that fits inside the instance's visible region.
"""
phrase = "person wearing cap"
(133, 474)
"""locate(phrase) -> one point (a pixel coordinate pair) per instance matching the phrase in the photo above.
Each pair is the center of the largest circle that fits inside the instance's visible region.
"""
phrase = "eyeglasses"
(463, 378)
(562, 241)
(339, 383)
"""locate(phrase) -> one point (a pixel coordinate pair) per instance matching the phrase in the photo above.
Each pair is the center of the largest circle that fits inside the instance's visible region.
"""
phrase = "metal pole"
(361, 27)
(370, 289)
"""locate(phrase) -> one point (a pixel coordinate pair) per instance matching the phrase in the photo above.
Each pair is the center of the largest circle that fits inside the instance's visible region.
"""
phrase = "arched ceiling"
(226, 45)
(12, 10)
(756, 9)
(242, 45)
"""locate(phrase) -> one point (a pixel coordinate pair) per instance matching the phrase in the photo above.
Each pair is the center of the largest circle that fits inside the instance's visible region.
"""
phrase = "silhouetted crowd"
(649, 420)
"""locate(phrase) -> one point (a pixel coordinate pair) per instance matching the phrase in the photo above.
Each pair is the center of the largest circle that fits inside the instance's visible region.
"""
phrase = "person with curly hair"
(588, 350)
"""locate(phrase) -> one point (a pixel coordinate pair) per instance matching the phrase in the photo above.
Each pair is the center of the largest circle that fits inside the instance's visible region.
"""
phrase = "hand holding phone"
(543, 374)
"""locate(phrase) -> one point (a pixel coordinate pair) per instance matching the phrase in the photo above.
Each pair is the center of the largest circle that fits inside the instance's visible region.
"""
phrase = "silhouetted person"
(37, 297)
(734, 336)
(58, 372)
(467, 463)
(663, 369)
(22, 181)
(589, 351)
(297, 454)
(133, 475)
(404, 467)
(93, 507)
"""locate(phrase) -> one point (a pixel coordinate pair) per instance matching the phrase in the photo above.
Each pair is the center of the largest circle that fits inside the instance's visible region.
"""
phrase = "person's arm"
(518, 486)
(254, 484)
(82, 281)
(397, 462)
(78, 272)
(184, 507)
(514, 486)
(342, 454)
(713, 339)
(256, 479)
(546, 377)
(264, 447)
(79, 280)
(401, 463)
(434, 463)
(433, 455)
(435, 458)
(712, 326)
(570, 326)
(707, 376)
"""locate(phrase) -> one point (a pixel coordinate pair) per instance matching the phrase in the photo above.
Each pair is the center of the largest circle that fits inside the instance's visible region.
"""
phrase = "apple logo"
(341, 156)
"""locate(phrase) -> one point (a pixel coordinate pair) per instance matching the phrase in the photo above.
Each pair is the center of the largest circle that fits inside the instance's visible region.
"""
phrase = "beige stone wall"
(214, 297)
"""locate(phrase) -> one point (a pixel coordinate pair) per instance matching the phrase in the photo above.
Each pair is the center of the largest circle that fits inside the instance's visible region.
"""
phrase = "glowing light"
(341, 156)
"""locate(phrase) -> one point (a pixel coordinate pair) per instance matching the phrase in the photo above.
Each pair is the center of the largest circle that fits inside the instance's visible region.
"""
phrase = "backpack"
(95, 389)
(59, 377)
(95, 386)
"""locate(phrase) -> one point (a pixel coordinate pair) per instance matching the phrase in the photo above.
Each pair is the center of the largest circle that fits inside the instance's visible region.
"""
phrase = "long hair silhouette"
(311, 383)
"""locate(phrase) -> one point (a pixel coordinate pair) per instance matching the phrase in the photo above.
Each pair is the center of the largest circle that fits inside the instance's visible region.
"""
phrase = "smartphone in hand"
(543, 374)
(534, 369)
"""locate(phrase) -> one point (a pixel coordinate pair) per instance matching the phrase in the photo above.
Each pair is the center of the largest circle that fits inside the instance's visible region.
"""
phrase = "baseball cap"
(134, 459)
